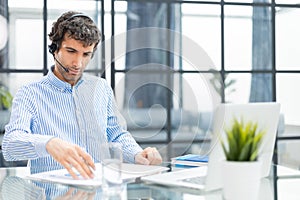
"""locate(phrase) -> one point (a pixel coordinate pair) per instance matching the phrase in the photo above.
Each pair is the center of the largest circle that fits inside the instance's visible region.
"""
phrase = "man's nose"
(78, 61)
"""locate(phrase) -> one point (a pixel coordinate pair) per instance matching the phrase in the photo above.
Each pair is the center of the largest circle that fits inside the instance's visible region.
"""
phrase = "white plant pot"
(241, 180)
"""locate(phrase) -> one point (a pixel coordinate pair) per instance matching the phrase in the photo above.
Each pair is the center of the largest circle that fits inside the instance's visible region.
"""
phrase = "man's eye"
(87, 54)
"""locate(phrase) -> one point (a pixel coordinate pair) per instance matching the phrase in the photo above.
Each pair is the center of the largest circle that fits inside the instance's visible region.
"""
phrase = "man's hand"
(71, 155)
(149, 156)
(77, 194)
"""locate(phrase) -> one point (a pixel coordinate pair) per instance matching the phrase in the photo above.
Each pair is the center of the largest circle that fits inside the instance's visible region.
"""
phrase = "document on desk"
(129, 173)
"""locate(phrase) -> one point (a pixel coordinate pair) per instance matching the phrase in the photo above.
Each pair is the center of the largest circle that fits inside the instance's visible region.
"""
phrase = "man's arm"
(132, 152)
(18, 141)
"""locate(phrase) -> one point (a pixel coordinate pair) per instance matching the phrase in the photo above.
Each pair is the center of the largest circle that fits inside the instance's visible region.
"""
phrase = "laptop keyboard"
(195, 180)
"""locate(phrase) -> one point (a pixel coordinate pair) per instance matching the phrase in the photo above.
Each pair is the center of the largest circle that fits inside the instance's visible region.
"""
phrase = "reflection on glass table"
(282, 184)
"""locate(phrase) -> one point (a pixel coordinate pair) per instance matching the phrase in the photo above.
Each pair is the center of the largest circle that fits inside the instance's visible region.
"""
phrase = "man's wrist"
(47, 144)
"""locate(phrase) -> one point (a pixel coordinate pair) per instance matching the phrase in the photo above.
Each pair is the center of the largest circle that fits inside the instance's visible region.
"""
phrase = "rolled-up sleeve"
(18, 141)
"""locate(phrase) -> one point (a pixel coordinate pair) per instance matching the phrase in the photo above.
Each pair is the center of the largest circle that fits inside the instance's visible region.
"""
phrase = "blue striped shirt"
(84, 114)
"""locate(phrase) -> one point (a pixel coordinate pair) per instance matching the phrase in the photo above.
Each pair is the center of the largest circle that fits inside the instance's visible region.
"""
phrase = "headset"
(53, 46)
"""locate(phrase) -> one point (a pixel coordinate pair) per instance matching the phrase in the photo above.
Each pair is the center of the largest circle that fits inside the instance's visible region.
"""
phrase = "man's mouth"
(74, 72)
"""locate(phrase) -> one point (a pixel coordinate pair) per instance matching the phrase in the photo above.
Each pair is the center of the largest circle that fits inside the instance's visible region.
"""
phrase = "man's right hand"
(77, 194)
(71, 155)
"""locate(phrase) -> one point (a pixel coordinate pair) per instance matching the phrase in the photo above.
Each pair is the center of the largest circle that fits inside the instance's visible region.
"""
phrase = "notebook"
(190, 160)
(209, 177)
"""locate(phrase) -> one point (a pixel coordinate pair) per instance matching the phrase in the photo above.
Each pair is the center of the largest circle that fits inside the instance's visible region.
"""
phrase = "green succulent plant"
(243, 141)
(5, 98)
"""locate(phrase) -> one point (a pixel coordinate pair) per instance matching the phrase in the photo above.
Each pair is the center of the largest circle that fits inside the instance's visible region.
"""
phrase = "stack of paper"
(190, 160)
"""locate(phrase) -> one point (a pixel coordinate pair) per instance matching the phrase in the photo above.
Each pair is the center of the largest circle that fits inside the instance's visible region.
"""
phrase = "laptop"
(209, 177)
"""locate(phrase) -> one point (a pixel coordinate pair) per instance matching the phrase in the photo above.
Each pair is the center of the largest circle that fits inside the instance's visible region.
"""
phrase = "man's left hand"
(149, 156)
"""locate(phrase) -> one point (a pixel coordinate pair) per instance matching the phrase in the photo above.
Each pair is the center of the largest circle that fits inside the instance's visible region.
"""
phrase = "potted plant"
(241, 169)
(5, 105)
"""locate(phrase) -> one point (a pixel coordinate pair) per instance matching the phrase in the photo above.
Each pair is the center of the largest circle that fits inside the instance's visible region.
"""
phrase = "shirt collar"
(62, 85)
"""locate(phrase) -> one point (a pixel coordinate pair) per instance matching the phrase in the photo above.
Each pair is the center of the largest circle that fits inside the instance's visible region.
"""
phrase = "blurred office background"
(171, 62)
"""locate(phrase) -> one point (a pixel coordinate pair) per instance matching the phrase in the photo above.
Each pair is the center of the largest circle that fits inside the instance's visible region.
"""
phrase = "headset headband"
(78, 15)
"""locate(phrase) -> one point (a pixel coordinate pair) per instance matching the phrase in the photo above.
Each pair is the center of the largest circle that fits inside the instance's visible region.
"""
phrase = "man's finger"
(153, 155)
(86, 157)
(81, 167)
(139, 159)
(70, 170)
(84, 160)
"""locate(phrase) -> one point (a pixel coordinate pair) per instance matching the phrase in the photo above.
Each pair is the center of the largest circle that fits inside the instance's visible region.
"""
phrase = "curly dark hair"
(80, 28)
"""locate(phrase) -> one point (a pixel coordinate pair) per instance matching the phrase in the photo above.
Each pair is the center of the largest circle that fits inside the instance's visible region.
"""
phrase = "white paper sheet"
(129, 173)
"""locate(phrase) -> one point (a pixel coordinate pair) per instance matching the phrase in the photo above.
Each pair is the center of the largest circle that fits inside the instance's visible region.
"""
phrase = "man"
(61, 119)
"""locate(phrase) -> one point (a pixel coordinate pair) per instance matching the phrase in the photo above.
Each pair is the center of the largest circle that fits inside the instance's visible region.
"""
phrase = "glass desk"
(283, 184)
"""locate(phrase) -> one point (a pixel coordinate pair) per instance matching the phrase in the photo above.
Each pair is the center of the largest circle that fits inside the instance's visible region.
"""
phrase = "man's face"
(73, 56)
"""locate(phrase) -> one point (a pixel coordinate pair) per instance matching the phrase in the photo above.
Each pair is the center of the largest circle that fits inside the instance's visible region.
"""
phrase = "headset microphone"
(66, 69)
(52, 49)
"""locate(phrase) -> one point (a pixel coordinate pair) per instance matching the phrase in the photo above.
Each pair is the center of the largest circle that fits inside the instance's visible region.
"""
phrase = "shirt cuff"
(39, 143)
(129, 155)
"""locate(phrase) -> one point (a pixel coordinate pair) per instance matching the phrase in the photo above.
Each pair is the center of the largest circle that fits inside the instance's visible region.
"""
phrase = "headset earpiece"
(52, 48)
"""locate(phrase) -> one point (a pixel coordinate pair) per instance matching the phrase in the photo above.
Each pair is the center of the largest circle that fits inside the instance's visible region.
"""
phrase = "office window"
(287, 38)
(237, 41)
(239, 90)
(201, 23)
(289, 97)
(26, 35)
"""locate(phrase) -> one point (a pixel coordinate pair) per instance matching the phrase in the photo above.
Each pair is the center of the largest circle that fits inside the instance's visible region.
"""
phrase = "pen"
(69, 175)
